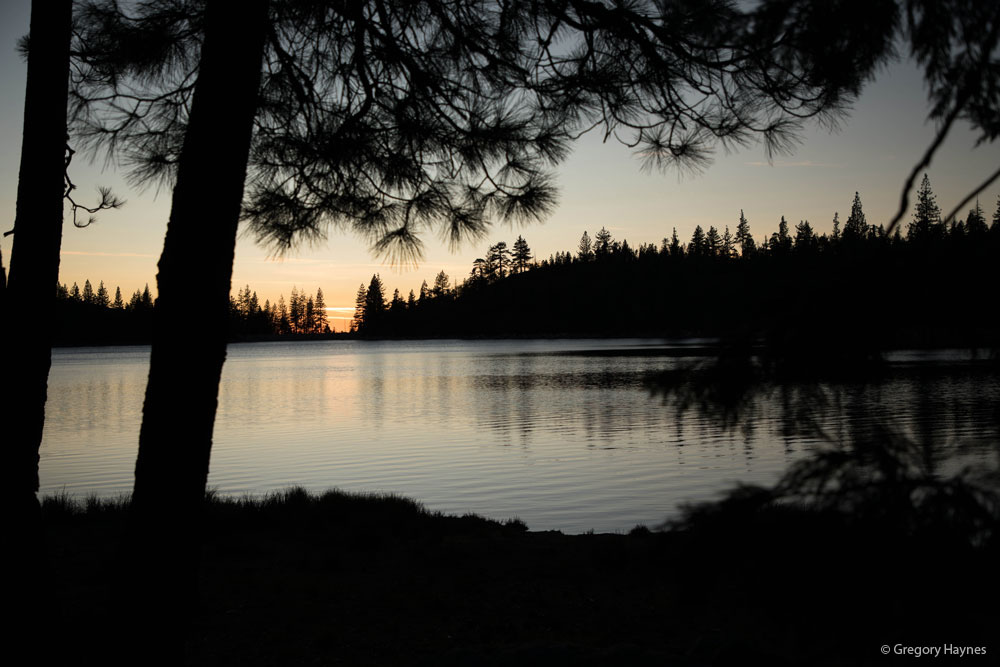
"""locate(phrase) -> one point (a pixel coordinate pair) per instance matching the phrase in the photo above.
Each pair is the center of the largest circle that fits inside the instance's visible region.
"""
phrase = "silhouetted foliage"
(79, 322)
(808, 290)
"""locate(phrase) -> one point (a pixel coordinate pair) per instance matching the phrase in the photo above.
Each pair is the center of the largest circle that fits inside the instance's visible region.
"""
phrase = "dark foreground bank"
(340, 579)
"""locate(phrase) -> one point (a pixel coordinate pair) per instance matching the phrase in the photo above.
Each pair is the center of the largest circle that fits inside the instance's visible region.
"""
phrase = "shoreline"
(376, 580)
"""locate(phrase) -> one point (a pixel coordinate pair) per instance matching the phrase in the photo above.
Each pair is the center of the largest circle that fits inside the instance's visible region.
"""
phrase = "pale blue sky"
(601, 184)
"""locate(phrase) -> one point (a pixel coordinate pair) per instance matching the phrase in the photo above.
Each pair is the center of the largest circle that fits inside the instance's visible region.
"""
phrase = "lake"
(563, 434)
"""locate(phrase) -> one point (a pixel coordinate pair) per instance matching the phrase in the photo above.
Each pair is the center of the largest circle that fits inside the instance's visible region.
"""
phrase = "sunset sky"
(600, 185)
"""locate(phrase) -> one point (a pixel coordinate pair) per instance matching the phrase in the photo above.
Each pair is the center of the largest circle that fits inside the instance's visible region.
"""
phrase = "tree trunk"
(27, 301)
(34, 260)
(195, 272)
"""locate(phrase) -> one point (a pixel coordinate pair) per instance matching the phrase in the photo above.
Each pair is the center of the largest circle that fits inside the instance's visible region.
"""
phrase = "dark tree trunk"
(26, 301)
(195, 271)
(34, 260)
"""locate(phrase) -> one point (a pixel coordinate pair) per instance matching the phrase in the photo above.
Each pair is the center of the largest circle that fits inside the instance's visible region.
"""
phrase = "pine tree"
(697, 246)
(585, 248)
(26, 297)
(308, 317)
(498, 260)
(602, 243)
(835, 235)
(102, 298)
(856, 227)
(88, 293)
(480, 269)
(74, 293)
(520, 255)
(135, 302)
(374, 305)
(397, 305)
(784, 238)
(713, 242)
(283, 323)
(975, 223)
(367, 138)
(805, 238)
(743, 237)
(118, 303)
(441, 285)
(676, 249)
(320, 316)
(146, 299)
(295, 308)
(728, 246)
(926, 221)
(358, 323)
(411, 301)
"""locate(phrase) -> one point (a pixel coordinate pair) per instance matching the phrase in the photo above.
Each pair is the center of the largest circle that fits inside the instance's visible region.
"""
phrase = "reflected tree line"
(911, 512)
(856, 286)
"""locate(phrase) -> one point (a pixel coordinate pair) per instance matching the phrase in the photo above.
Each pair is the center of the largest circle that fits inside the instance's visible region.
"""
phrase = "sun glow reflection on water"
(533, 429)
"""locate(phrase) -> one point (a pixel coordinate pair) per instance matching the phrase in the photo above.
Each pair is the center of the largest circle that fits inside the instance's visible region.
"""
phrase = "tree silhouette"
(975, 223)
(520, 255)
(926, 214)
(309, 319)
(713, 242)
(498, 260)
(744, 238)
(26, 296)
(321, 318)
(675, 249)
(602, 243)
(374, 307)
(856, 226)
(442, 285)
(101, 298)
(697, 247)
(955, 41)
(781, 241)
(392, 118)
(585, 249)
(359, 308)
(805, 237)
(34, 268)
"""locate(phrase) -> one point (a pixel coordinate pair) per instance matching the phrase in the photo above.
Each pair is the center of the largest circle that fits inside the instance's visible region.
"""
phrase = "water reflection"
(912, 453)
(945, 402)
(563, 434)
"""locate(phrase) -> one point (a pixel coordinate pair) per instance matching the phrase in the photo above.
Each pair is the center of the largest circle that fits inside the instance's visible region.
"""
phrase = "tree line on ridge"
(855, 278)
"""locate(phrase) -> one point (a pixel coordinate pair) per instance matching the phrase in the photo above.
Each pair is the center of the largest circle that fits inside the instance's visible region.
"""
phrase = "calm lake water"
(564, 434)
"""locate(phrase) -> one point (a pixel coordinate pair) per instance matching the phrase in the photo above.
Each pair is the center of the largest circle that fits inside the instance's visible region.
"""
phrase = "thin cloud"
(83, 253)
(798, 163)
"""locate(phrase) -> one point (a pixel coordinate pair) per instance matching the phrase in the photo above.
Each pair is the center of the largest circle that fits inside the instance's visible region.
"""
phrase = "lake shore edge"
(368, 579)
